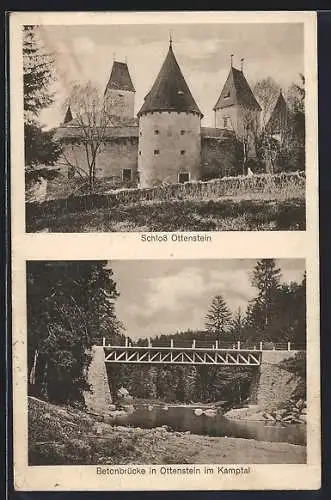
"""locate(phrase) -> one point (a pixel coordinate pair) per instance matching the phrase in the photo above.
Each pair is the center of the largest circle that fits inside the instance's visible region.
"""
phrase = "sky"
(203, 52)
(165, 296)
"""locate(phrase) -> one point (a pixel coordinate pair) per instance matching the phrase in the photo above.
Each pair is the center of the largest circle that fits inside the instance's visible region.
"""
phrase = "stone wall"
(218, 158)
(116, 154)
(273, 385)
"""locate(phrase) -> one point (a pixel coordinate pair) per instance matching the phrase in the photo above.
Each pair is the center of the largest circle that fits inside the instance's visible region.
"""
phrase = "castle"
(166, 142)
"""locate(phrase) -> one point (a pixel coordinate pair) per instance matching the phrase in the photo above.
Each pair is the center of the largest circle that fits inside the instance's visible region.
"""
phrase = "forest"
(71, 306)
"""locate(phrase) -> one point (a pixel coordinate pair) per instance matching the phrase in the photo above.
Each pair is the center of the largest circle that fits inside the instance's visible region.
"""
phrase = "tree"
(218, 316)
(237, 325)
(92, 117)
(266, 278)
(38, 77)
(70, 307)
(266, 91)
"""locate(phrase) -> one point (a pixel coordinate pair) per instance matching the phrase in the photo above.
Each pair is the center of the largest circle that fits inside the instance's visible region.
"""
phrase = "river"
(183, 419)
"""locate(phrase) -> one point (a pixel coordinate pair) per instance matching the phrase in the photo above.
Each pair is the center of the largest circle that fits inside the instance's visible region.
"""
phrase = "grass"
(226, 214)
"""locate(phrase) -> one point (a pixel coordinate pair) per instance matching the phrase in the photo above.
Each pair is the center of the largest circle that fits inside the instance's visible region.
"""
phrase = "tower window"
(182, 132)
(226, 121)
(156, 151)
(182, 152)
(140, 133)
(126, 175)
(156, 132)
(183, 177)
(139, 153)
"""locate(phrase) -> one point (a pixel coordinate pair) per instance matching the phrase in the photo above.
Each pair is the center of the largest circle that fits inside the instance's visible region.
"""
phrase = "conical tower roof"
(170, 91)
(279, 115)
(68, 116)
(236, 90)
(120, 78)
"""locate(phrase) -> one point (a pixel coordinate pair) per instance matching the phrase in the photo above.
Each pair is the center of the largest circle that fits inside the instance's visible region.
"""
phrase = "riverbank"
(67, 436)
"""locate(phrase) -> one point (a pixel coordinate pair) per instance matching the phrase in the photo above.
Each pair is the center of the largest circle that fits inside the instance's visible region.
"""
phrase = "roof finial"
(242, 64)
(231, 57)
(170, 40)
(126, 60)
(114, 55)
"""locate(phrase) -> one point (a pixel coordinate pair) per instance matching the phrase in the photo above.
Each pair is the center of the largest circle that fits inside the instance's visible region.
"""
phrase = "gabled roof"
(279, 115)
(120, 78)
(68, 116)
(170, 91)
(236, 90)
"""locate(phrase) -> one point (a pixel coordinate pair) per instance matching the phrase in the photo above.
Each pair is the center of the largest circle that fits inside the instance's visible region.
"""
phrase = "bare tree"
(91, 119)
(247, 134)
(266, 91)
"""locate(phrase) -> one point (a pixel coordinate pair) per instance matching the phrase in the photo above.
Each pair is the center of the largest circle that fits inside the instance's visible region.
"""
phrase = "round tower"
(169, 148)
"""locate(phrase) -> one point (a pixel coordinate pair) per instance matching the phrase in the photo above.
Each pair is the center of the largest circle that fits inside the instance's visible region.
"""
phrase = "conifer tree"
(38, 77)
(218, 317)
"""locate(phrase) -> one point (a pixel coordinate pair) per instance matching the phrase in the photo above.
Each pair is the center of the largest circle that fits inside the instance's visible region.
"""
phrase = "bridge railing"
(207, 344)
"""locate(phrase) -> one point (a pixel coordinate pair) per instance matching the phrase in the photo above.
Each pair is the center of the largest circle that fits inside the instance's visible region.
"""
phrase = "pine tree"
(238, 325)
(38, 77)
(266, 278)
(218, 317)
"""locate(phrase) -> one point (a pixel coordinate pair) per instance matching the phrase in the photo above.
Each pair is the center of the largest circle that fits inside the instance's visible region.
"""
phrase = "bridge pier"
(272, 384)
(99, 399)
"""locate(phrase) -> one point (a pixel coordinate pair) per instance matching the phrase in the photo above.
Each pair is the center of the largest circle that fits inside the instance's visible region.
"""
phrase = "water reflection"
(184, 419)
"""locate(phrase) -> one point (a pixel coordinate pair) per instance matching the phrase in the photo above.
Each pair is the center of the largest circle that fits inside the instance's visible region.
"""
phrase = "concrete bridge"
(271, 383)
(196, 353)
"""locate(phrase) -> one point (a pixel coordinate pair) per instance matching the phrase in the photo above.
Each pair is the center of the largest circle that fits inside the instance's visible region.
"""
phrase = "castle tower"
(236, 105)
(169, 129)
(120, 92)
(279, 121)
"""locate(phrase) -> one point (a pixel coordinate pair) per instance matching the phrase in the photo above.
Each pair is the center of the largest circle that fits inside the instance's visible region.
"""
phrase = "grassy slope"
(214, 215)
(64, 436)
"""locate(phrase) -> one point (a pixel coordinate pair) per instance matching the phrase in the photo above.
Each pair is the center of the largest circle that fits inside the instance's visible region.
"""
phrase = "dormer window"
(227, 95)
(180, 92)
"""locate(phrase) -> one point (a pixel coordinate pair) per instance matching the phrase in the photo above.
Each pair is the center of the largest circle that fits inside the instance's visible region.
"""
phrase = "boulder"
(210, 412)
(198, 412)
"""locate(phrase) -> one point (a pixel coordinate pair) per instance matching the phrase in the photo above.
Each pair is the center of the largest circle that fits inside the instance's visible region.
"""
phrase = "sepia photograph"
(167, 362)
(164, 127)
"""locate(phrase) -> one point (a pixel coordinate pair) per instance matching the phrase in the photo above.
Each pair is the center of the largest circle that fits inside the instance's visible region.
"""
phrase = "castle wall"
(219, 158)
(116, 155)
(121, 102)
(169, 144)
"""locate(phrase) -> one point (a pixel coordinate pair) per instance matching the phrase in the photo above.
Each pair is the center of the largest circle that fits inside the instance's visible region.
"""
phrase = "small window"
(227, 95)
(156, 132)
(126, 175)
(140, 133)
(182, 152)
(226, 121)
(183, 177)
(182, 132)
(156, 151)
(139, 153)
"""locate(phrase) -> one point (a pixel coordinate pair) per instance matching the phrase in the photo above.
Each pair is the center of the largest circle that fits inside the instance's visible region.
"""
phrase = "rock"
(210, 412)
(118, 413)
(187, 432)
(165, 408)
(127, 408)
(304, 411)
(303, 418)
(150, 408)
(198, 412)
(112, 407)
